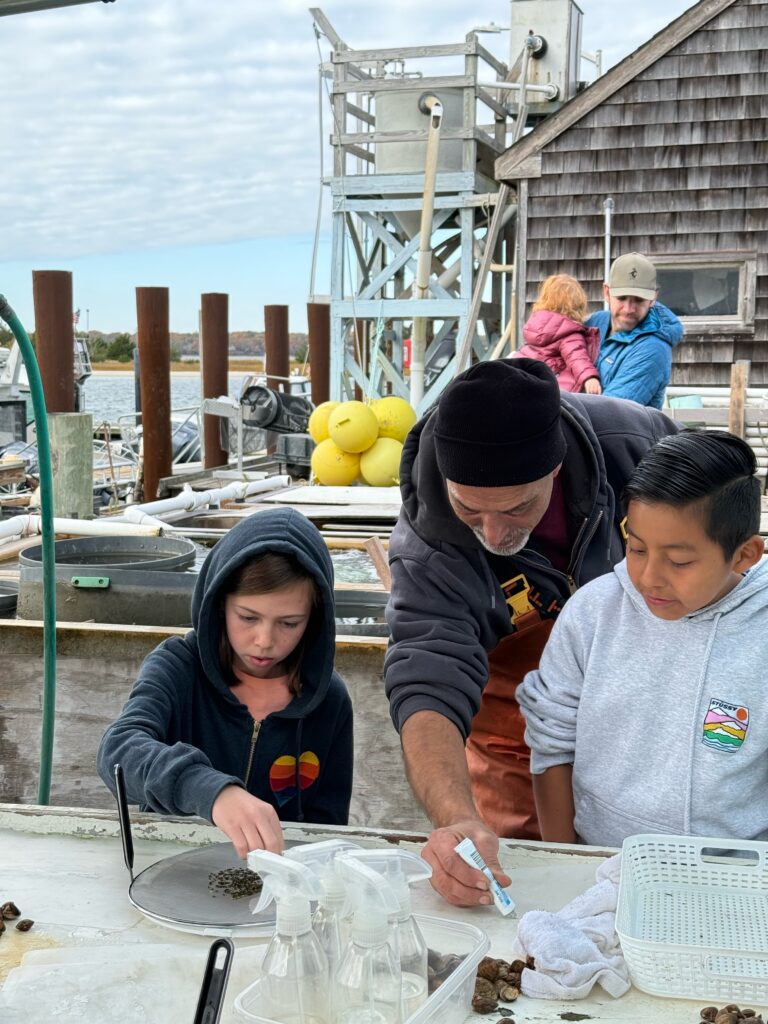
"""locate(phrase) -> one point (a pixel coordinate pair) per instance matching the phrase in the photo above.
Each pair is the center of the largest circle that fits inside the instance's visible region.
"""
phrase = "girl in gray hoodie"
(649, 711)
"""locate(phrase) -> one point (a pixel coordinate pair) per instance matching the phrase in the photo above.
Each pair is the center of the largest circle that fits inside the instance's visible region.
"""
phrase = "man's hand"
(251, 824)
(436, 767)
(455, 880)
(592, 386)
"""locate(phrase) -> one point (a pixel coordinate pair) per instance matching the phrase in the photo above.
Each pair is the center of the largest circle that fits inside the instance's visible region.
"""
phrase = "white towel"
(577, 947)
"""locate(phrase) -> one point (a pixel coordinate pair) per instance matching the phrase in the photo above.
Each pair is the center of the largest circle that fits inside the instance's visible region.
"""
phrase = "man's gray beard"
(510, 548)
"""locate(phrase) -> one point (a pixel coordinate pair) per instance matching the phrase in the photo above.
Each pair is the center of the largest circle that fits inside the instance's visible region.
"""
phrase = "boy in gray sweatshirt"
(649, 711)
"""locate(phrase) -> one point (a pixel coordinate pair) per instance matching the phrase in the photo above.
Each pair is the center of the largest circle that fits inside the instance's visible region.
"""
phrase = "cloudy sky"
(175, 142)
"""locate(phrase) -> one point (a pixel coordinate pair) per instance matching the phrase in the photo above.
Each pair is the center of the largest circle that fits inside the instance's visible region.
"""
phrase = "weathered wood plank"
(739, 381)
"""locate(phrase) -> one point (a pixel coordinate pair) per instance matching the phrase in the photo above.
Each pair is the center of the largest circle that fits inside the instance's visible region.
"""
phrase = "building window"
(708, 288)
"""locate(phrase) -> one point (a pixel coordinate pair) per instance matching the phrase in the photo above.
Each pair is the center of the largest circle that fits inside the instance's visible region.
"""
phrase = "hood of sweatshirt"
(753, 582)
(282, 531)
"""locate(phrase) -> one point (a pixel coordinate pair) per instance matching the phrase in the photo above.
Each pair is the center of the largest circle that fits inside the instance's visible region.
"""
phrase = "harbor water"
(108, 396)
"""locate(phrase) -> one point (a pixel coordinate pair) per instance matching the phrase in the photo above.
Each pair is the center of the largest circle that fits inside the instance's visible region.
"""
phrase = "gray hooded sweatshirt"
(665, 723)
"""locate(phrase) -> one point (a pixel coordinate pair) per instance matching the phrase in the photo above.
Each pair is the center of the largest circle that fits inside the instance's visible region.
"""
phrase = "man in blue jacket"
(637, 333)
(510, 502)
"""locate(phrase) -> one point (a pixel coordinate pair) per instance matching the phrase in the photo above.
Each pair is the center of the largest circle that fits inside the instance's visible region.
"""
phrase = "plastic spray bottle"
(327, 919)
(401, 869)
(368, 981)
(295, 976)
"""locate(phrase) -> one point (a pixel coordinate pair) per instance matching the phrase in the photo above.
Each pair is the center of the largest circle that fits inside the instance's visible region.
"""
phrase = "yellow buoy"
(318, 421)
(380, 465)
(395, 416)
(334, 467)
(353, 426)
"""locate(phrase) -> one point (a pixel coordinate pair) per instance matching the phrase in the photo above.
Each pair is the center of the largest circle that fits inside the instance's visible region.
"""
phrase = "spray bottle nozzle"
(372, 900)
(399, 867)
(321, 858)
(290, 885)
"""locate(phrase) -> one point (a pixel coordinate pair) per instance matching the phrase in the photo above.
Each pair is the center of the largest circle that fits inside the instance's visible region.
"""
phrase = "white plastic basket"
(692, 917)
(449, 1004)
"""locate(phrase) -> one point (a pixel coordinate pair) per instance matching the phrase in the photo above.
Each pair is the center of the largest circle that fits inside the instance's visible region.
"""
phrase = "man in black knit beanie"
(510, 502)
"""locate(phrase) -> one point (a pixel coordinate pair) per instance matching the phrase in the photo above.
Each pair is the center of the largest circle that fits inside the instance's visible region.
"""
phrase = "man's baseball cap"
(632, 274)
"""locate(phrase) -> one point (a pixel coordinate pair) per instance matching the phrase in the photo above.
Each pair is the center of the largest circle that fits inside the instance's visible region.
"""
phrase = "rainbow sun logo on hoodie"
(725, 725)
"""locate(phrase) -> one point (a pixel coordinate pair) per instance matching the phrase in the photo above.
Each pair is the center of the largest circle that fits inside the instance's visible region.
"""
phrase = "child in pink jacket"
(555, 334)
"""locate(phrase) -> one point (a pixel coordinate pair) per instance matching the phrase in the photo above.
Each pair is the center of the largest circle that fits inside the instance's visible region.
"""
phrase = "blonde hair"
(562, 294)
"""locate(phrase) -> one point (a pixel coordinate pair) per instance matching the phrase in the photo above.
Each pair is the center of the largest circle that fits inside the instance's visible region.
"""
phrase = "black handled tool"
(125, 821)
(211, 1000)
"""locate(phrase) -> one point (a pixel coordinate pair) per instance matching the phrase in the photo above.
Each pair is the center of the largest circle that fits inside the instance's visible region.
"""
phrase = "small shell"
(24, 925)
(708, 1013)
(517, 966)
(488, 968)
(9, 911)
(485, 988)
(507, 993)
(482, 1005)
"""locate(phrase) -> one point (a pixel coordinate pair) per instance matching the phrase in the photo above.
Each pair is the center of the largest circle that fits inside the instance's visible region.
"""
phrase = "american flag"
(76, 318)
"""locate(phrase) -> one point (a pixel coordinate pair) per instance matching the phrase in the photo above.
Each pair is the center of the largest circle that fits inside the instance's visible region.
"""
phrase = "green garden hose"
(49, 552)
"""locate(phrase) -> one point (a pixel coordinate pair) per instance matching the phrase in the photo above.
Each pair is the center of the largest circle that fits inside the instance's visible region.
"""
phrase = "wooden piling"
(71, 435)
(214, 357)
(155, 369)
(739, 384)
(319, 334)
(277, 359)
(54, 339)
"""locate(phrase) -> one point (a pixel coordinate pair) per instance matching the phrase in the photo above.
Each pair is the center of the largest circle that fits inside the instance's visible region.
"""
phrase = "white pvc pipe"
(608, 205)
(188, 500)
(29, 525)
(549, 92)
(133, 515)
(137, 520)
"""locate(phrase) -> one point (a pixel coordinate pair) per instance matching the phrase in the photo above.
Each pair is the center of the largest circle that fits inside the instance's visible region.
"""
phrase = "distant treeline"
(119, 346)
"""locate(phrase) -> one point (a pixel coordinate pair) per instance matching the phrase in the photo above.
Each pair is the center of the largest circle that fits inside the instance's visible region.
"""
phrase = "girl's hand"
(250, 823)
(592, 386)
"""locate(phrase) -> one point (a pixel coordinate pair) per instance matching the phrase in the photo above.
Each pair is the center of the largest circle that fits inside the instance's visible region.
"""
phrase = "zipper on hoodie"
(252, 751)
(583, 537)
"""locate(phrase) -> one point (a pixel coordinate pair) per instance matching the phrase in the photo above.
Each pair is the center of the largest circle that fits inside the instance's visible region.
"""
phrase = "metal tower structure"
(412, 197)
(423, 240)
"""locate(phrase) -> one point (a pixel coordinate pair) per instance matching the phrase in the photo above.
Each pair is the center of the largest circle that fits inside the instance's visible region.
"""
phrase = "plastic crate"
(450, 1004)
(692, 917)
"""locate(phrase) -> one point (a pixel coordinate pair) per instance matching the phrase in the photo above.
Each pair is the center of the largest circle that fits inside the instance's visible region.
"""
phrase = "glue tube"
(470, 855)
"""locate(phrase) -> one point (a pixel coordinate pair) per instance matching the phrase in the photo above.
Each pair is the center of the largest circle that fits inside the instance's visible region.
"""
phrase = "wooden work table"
(64, 869)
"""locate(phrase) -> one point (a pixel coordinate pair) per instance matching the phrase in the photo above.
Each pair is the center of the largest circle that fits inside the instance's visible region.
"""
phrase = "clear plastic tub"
(450, 1004)
(692, 917)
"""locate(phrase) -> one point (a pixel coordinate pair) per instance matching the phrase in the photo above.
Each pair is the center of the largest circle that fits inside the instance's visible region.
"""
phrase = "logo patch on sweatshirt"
(282, 775)
(725, 725)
